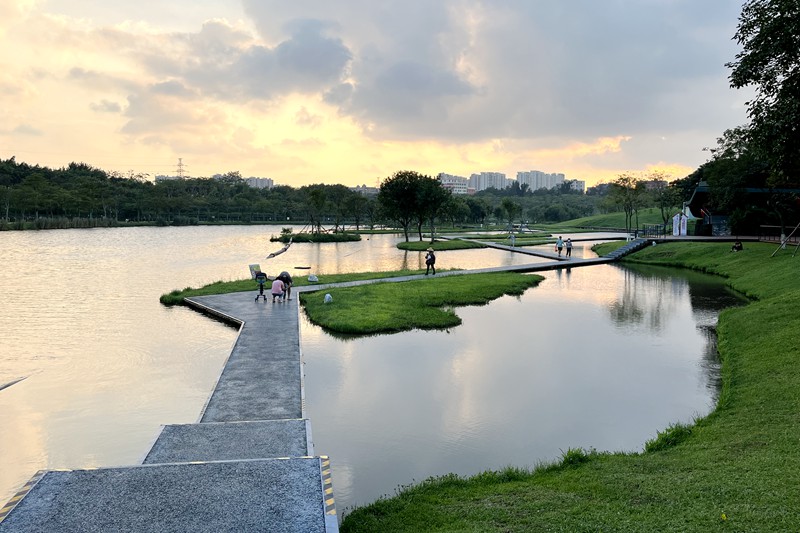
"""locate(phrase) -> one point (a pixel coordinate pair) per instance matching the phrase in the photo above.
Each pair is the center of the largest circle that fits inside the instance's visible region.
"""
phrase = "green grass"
(455, 244)
(423, 304)
(650, 215)
(737, 469)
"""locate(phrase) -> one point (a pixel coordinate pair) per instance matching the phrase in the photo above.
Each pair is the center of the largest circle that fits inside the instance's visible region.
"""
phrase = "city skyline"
(354, 92)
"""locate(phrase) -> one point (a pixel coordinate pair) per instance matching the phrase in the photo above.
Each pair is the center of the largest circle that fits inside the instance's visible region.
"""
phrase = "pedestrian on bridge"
(569, 247)
(559, 246)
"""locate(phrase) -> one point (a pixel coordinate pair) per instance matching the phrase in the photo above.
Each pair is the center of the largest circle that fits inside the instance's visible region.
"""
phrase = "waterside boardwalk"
(248, 464)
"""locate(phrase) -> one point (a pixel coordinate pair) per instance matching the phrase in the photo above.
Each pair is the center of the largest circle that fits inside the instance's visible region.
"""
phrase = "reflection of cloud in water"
(520, 380)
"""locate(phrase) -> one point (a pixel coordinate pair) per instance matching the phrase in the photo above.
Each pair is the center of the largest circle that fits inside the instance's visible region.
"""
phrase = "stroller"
(261, 279)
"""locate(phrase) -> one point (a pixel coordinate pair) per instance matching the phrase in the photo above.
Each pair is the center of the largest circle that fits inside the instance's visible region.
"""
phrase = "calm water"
(599, 356)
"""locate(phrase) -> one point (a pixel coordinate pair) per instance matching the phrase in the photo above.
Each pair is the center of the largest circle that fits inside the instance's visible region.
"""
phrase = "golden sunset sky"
(352, 91)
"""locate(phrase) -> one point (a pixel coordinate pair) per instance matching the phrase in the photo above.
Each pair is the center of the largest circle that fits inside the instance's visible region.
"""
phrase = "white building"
(365, 191)
(536, 179)
(260, 183)
(161, 178)
(486, 180)
(577, 185)
(454, 184)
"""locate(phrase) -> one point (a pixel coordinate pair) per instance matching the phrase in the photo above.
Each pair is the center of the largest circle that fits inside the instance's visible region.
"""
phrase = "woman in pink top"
(278, 289)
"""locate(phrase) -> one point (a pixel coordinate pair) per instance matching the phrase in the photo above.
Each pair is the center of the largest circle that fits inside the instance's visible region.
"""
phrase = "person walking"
(559, 246)
(430, 262)
(569, 247)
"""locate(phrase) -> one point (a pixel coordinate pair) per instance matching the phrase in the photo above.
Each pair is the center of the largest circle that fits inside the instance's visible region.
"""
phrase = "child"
(278, 290)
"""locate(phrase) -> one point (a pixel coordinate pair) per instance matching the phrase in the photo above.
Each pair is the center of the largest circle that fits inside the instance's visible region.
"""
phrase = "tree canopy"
(769, 61)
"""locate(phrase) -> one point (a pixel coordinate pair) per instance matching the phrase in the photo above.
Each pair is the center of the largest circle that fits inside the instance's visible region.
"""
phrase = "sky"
(352, 91)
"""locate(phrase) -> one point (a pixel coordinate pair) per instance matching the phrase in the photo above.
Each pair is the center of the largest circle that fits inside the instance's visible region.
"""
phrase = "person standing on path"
(569, 247)
(559, 246)
(430, 262)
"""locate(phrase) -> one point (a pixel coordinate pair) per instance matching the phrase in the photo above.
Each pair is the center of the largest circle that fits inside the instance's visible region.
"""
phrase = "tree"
(315, 200)
(356, 206)
(398, 197)
(430, 199)
(626, 193)
(770, 61)
(664, 196)
(478, 210)
(511, 209)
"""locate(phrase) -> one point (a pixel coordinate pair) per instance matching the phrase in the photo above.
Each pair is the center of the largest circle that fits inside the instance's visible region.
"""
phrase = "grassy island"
(737, 469)
(455, 244)
(420, 304)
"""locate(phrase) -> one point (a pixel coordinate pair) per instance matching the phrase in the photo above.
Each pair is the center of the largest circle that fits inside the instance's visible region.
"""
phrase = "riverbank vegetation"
(737, 469)
(420, 304)
(79, 195)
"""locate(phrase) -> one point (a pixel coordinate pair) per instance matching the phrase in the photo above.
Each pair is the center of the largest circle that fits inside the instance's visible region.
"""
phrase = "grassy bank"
(423, 304)
(738, 469)
(650, 215)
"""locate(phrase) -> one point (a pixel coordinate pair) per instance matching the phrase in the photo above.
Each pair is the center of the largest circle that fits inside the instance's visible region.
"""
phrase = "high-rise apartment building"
(454, 184)
(260, 183)
(536, 179)
(486, 180)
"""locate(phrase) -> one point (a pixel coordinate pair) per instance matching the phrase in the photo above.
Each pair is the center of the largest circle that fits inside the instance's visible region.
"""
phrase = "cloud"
(464, 70)
(470, 83)
(105, 106)
(26, 129)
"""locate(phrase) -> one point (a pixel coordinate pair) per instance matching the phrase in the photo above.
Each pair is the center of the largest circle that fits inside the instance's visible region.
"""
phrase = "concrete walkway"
(247, 465)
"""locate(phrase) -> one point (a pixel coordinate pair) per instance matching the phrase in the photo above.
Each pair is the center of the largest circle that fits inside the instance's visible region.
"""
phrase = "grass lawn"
(737, 469)
(650, 215)
(422, 304)
(455, 244)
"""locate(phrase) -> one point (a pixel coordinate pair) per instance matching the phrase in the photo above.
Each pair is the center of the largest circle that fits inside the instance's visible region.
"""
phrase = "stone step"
(231, 441)
(289, 495)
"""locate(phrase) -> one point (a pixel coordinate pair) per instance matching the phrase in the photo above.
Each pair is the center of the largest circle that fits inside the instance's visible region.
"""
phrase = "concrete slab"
(267, 495)
(231, 441)
(262, 379)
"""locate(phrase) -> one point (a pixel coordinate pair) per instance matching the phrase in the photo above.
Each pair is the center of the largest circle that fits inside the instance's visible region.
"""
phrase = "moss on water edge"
(737, 469)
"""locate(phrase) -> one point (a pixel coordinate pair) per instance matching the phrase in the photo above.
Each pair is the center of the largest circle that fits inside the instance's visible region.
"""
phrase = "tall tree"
(398, 198)
(626, 192)
(768, 32)
(430, 199)
(511, 209)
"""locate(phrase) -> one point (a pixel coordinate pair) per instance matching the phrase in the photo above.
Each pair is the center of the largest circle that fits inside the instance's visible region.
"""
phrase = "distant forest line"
(79, 195)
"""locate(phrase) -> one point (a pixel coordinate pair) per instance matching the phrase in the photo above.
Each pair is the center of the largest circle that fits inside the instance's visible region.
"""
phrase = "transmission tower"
(181, 168)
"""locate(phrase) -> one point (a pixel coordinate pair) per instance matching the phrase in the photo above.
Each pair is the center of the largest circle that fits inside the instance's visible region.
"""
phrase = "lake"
(601, 357)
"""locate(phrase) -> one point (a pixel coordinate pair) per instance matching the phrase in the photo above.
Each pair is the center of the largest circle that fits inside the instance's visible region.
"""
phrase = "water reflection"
(520, 380)
(598, 357)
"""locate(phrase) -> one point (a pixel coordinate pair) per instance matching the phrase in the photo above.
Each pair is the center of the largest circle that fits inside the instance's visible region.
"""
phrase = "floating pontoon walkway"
(247, 465)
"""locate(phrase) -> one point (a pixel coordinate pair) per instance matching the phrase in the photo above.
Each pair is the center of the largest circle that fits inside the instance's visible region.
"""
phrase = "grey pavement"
(247, 465)
(266, 495)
